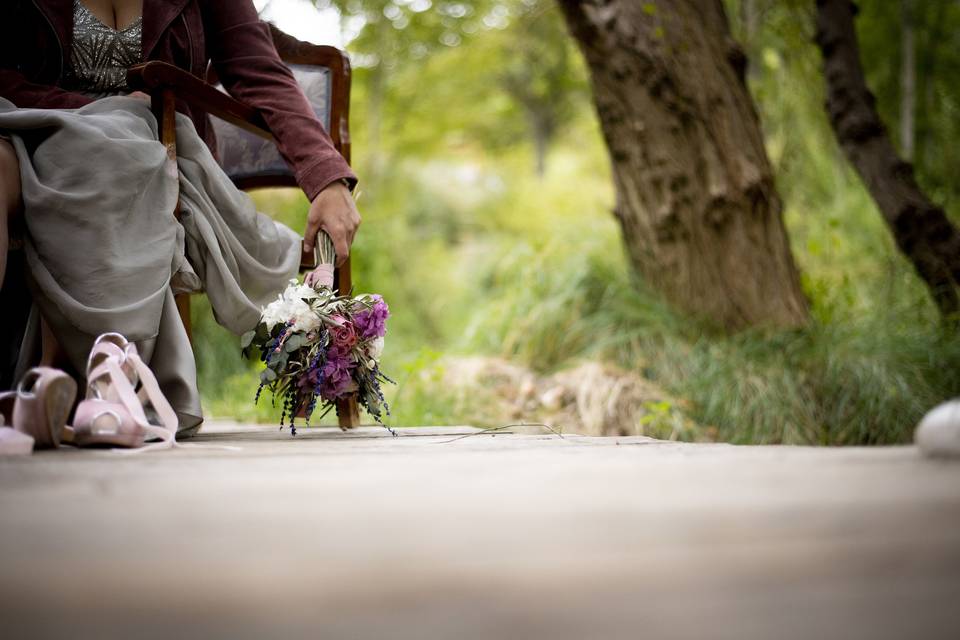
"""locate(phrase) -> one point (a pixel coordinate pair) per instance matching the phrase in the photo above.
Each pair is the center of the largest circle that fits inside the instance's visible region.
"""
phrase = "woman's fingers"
(341, 244)
(310, 234)
(335, 212)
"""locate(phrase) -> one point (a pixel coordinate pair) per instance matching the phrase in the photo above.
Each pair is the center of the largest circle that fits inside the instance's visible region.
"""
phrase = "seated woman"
(82, 172)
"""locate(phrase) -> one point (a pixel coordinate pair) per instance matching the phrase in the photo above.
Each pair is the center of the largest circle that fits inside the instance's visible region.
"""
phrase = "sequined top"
(101, 55)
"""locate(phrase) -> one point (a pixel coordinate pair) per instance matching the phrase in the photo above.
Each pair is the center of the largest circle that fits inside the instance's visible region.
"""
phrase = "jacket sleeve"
(15, 87)
(242, 50)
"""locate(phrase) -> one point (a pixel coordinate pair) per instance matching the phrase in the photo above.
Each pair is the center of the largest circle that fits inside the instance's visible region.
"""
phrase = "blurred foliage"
(777, 36)
(937, 29)
(479, 251)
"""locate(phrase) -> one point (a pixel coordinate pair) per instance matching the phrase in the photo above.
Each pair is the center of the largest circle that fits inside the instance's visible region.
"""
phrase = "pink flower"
(344, 337)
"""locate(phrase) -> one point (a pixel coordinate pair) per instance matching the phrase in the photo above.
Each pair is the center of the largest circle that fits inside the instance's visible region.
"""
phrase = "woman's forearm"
(247, 64)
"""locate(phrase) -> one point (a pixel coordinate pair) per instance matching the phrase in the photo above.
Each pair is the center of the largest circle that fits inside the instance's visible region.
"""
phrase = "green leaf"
(277, 360)
(247, 339)
(293, 343)
(268, 375)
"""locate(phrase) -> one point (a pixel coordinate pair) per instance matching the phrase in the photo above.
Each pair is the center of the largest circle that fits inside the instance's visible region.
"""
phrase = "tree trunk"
(695, 190)
(908, 79)
(921, 229)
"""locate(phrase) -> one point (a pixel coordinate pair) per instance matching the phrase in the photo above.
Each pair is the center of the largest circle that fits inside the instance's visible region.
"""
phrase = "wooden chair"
(244, 143)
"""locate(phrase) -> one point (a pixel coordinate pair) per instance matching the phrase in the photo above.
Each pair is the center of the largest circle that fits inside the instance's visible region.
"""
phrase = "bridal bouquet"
(319, 347)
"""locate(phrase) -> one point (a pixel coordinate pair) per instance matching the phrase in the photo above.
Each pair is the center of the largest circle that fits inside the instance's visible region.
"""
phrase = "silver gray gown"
(103, 249)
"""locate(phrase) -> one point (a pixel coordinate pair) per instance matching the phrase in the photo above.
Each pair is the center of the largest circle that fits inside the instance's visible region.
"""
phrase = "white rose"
(275, 313)
(296, 292)
(290, 306)
(375, 348)
(303, 316)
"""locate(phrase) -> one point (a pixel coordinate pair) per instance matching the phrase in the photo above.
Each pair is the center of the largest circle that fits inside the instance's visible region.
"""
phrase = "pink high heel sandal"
(113, 411)
(37, 410)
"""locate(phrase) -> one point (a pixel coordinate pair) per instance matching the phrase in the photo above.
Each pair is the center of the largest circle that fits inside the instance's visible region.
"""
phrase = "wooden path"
(363, 535)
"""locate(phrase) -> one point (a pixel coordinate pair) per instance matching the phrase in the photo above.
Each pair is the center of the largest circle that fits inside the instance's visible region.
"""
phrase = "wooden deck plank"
(363, 535)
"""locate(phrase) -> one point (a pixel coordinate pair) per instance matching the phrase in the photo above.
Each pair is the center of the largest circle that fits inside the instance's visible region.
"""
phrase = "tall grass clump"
(860, 373)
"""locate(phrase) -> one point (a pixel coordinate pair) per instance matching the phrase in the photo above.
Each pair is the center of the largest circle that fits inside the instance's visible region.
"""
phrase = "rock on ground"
(590, 398)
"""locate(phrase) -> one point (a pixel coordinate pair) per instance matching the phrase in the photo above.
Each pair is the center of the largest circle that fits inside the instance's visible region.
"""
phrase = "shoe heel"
(59, 398)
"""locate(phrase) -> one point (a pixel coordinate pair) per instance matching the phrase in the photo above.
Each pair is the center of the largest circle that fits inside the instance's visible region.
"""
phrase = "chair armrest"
(155, 77)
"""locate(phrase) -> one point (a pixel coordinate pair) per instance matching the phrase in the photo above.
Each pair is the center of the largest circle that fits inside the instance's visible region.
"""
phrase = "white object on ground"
(14, 443)
(938, 434)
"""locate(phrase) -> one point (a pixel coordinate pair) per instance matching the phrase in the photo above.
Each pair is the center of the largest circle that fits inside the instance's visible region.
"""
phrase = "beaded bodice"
(101, 55)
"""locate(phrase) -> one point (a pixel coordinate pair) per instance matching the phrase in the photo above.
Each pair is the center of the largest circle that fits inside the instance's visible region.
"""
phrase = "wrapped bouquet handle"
(326, 258)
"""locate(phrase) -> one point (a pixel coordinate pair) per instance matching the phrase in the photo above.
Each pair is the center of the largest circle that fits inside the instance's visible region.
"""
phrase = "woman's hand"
(334, 211)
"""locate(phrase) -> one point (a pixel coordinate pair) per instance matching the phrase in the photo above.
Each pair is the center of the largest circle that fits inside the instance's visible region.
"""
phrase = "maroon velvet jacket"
(35, 37)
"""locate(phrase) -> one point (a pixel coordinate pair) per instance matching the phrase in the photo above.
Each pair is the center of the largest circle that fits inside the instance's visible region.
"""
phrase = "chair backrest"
(323, 72)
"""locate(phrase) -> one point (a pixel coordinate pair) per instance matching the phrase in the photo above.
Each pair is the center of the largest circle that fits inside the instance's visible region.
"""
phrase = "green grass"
(872, 361)
(863, 372)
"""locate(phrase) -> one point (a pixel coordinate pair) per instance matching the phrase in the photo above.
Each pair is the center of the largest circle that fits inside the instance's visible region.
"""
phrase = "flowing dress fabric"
(105, 253)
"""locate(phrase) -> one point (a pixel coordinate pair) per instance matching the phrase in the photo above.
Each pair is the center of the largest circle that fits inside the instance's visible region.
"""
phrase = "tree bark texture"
(920, 228)
(696, 200)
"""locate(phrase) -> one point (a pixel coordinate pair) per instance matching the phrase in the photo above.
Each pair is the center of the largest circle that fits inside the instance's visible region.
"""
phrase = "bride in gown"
(102, 248)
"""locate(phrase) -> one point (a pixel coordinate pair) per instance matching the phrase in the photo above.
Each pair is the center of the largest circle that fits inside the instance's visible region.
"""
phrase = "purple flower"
(308, 382)
(372, 322)
(337, 375)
